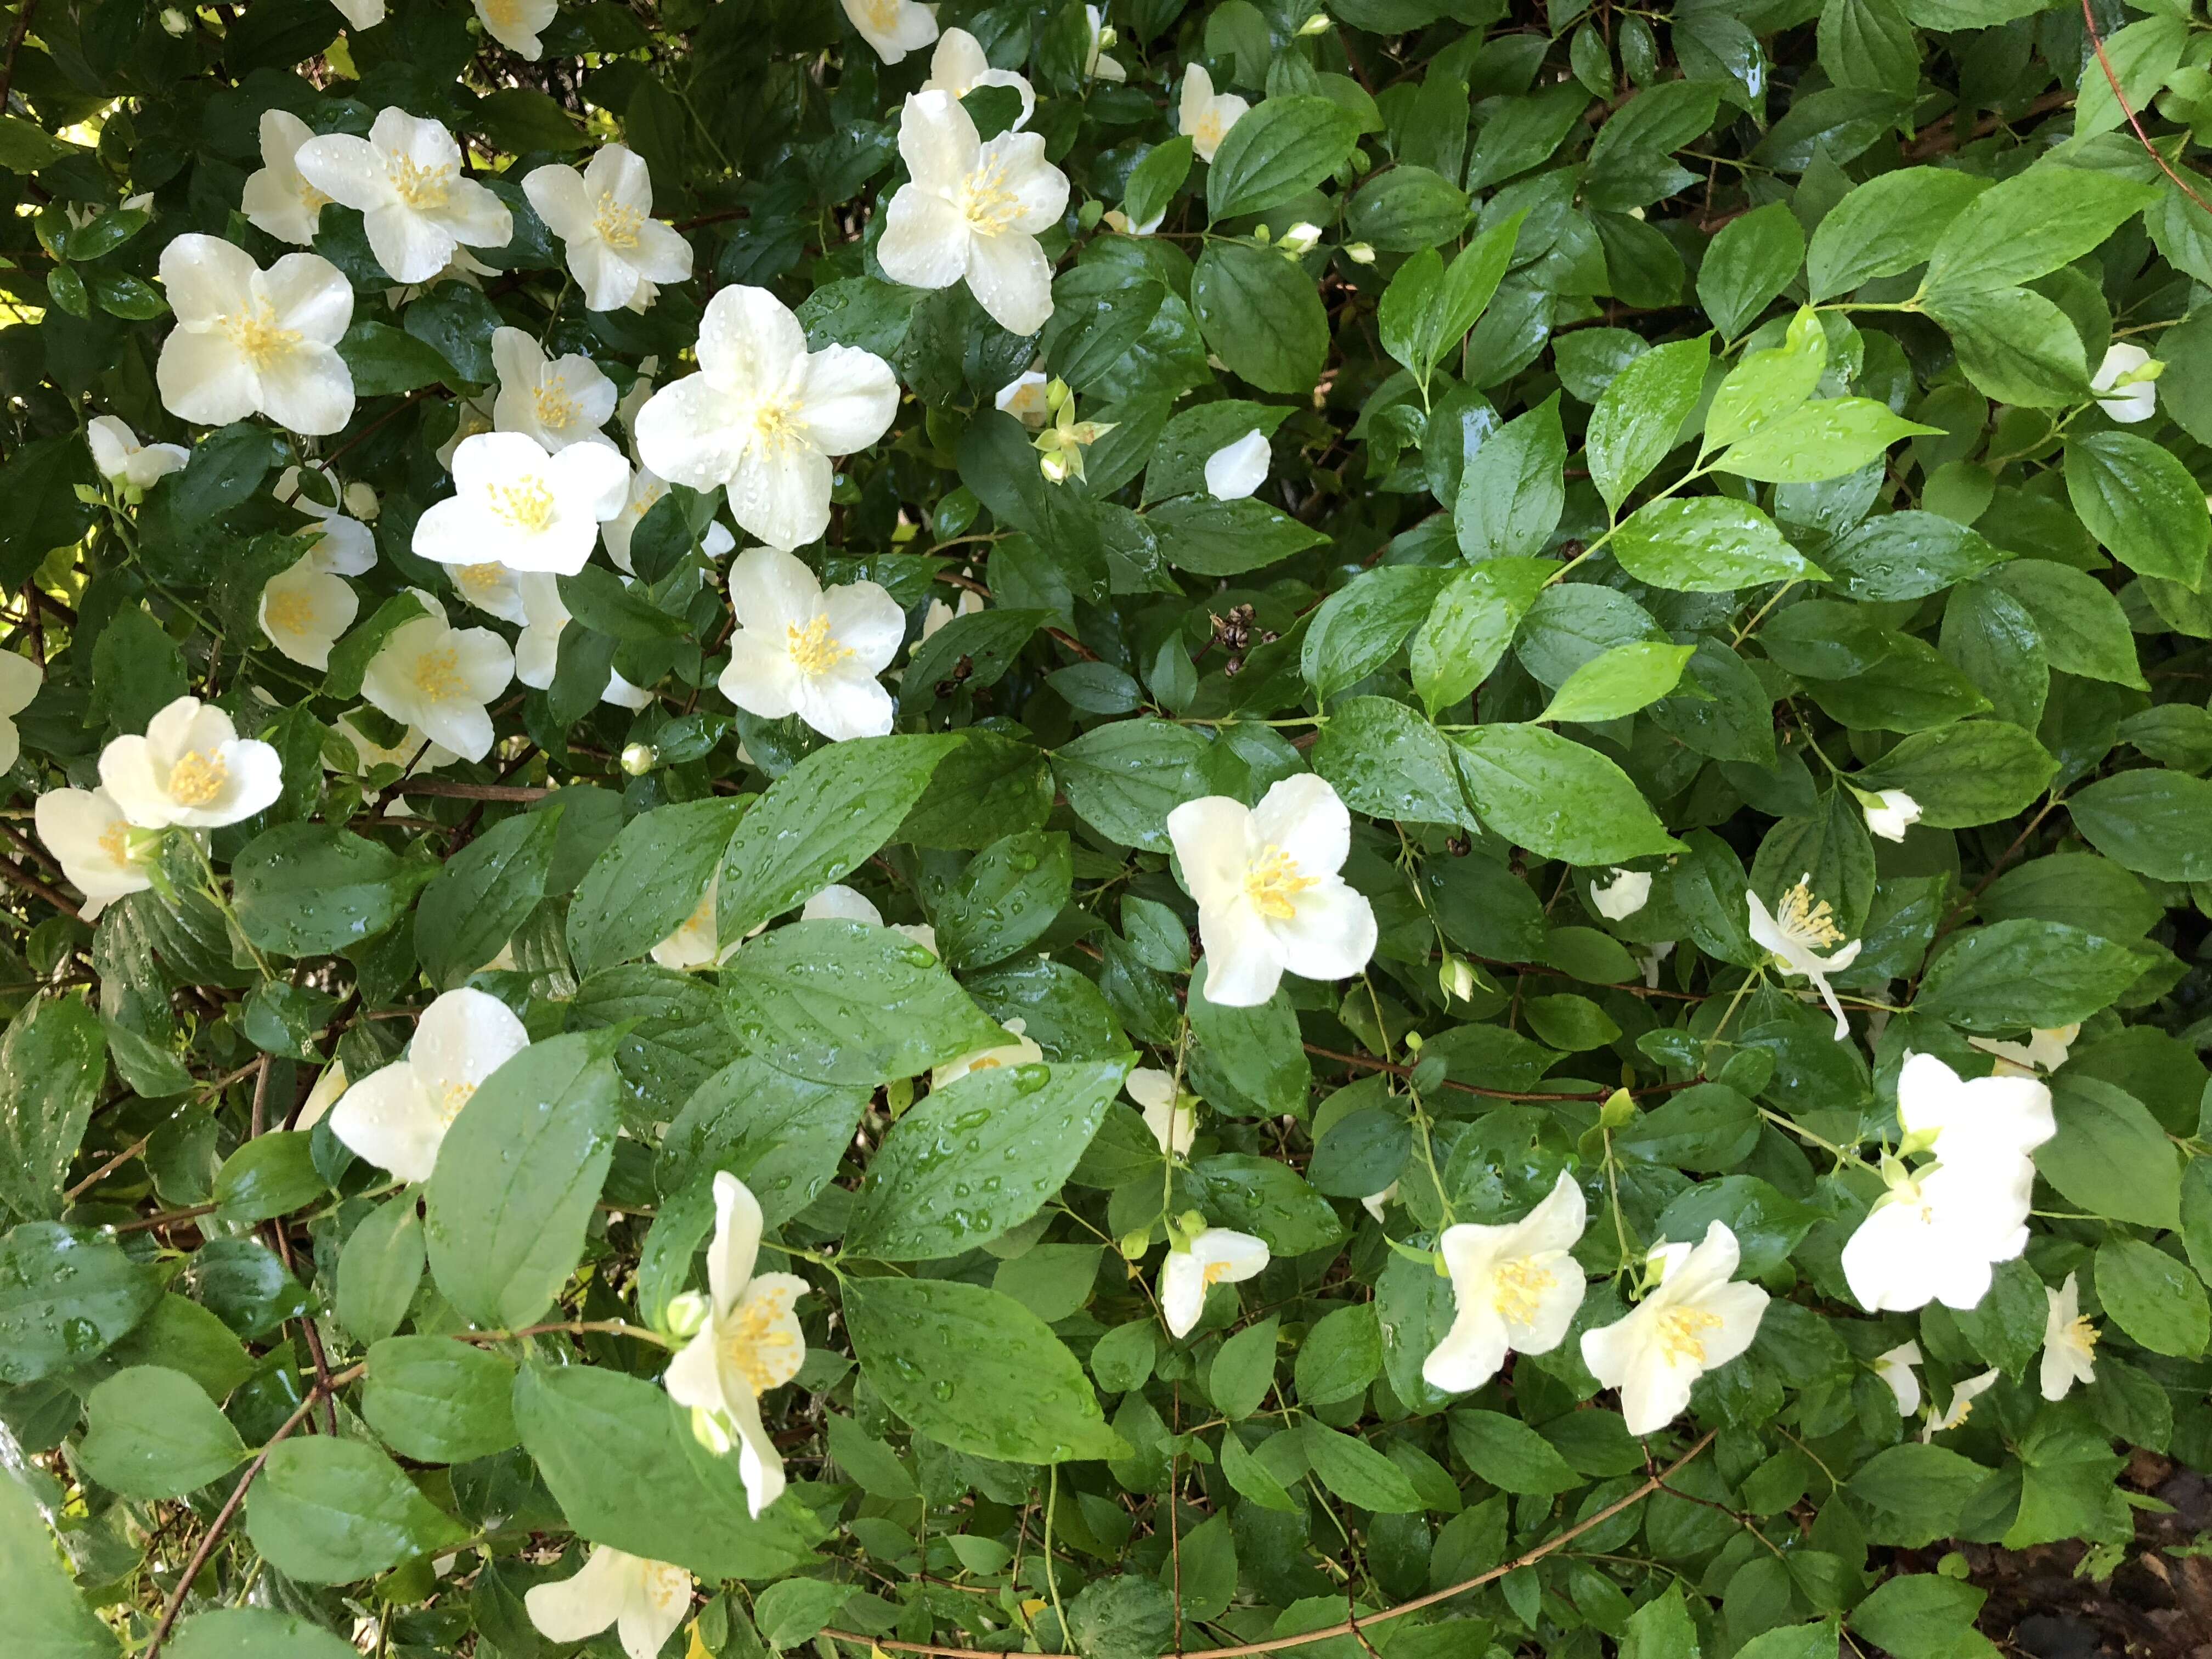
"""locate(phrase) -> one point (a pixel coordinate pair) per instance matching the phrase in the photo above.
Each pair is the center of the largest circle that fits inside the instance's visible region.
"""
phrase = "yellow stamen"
(1681, 1334)
(555, 407)
(424, 189)
(986, 202)
(526, 505)
(451, 1098)
(197, 779)
(1804, 920)
(755, 1343)
(812, 650)
(779, 428)
(291, 612)
(1517, 1289)
(616, 224)
(115, 841)
(2083, 1333)
(1274, 883)
(258, 338)
(438, 674)
(478, 579)
(1215, 1272)
(502, 13)
(1209, 134)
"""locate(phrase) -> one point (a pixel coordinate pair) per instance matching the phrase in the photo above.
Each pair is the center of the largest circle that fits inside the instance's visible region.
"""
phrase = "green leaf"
(2152, 821)
(271, 1175)
(2015, 974)
(1360, 628)
(46, 1616)
(1661, 1629)
(1621, 681)
(254, 1634)
(327, 1510)
(648, 881)
(1767, 385)
(2155, 1299)
(1906, 555)
(1227, 538)
(1556, 797)
(1008, 895)
(779, 1134)
(1358, 1473)
(842, 1002)
(1920, 1615)
(1469, 626)
(977, 1157)
(66, 1297)
(1269, 1200)
(1514, 489)
(516, 1178)
(1123, 778)
(819, 822)
(383, 358)
(2141, 503)
(52, 1063)
(1975, 772)
(1749, 263)
(975, 1370)
(1154, 181)
(1260, 1048)
(1707, 545)
(379, 1267)
(152, 1432)
(1406, 208)
(1243, 1369)
(350, 656)
(311, 889)
(2028, 226)
(2110, 1157)
(1916, 1491)
(2014, 345)
(437, 1401)
(1259, 311)
(1509, 1453)
(483, 894)
(1824, 439)
(1885, 226)
(1279, 150)
(1641, 414)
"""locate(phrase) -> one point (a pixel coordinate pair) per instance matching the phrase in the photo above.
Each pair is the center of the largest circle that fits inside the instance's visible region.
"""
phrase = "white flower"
(1375, 1203)
(122, 459)
(278, 198)
(893, 27)
(2044, 1051)
(405, 179)
(749, 1342)
(1889, 812)
(343, 545)
(2125, 392)
(1301, 238)
(1022, 1051)
(2070, 1341)
(973, 209)
(1235, 471)
(397, 1117)
(88, 835)
(1095, 65)
(20, 680)
(1697, 1320)
(1213, 1256)
(1895, 1368)
(1794, 931)
(304, 610)
(695, 943)
(1650, 963)
(415, 751)
(557, 402)
(330, 1088)
(1269, 898)
(1629, 891)
(1970, 1120)
(1118, 220)
(1169, 1113)
(515, 504)
(251, 341)
(1205, 116)
(1023, 397)
(799, 650)
(959, 67)
(763, 416)
(1962, 1405)
(845, 903)
(441, 678)
(604, 214)
(471, 416)
(191, 768)
(361, 14)
(515, 23)
(645, 1601)
(498, 592)
(1517, 1288)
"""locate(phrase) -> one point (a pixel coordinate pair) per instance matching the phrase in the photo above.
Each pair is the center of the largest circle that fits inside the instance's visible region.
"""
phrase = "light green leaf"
(1707, 545)
(327, 1510)
(1556, 797)
(152, 1432)
(1640, 416)
(52, 1063)
(1621, 681)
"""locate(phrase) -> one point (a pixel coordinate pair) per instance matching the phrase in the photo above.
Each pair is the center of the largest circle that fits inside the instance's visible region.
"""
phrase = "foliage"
(1718, 494)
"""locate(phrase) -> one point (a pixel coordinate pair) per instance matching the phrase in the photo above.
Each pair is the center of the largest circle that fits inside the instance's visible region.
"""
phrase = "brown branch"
(31, 846)
(107, 1169)
(1353, 1627)
(30, 883)
(455, 790)
(2089, 21)
(1936, 140)
(376, 426)
(14, 45)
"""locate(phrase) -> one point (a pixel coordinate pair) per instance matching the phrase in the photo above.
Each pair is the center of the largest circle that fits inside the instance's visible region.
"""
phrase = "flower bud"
(1109, 38)
(361, 501)
(687, 1315)
(1457, 978)
(639, 758)
(175, 23)
(1360, 253)
(1055, 467)
(1301, 237)
(1133, 1245)
(1319, 23)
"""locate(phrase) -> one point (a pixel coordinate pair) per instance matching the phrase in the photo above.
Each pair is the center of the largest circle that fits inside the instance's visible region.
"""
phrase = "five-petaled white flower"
(20, 680)
(1795, 931)
(1962, 1404)
(441, 678)
(92, 840)
(973, 209)
(618, 252)
(764, 415)
(1629, 891)
(2070, 1341)
(192, 768)
(1938, 1232)
(121, 459)
(749, 1341)
(2044, 1051)
(343, 545)
(1269, 897)
(1213, 1256)
(1023, 397)
(893, 27)
(958, 66)
(1170, 1113)
(1894, 1368)
(515, 23)
(799, 650)
(1205, 116)
(2126, 383)
(644, 1600)
(251, 341)
(397, 1116)
(1235, 470)
(304, 610)
(1695, 1320)
(405, 179)
(515, 505)
(1517, 1288)
(1889, 812)
(278, 198)
(557, 401)
(1022, 1051)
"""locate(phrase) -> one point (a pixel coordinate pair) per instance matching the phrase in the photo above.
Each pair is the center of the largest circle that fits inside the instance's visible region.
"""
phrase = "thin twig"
(31, 846)
(455, 790)
(30, 883)
(14, 45)
(2089, 19)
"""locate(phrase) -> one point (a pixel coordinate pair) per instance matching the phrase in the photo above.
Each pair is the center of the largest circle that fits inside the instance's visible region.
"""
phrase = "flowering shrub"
(1100, 831)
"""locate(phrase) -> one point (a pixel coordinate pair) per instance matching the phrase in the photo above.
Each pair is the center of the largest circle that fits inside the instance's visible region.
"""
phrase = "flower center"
(1215, 1272)
(555, 407)
(617, 224)
(779, 427)
(115, 841)
(479, 580)
(1517, 1289)
(197, 779)
(882, 14)
(451, 1099)
(2082, 1335)
(258, 338)
(1209, 131)
(424, 189)
(1681, 1334)
(985, 200)
(1806, 921)
(754, 1342)
(812, 650)
(502, 13)
(310, 199)
(1274, 883)
(648, 499)
(438, 676)
(291, 612)
(526, 505)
